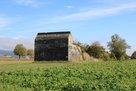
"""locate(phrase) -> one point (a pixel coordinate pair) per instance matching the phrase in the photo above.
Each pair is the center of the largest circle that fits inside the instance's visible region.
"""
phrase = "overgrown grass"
(68, 76)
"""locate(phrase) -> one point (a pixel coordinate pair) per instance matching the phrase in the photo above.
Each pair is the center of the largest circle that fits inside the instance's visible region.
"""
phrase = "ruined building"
(56, 46)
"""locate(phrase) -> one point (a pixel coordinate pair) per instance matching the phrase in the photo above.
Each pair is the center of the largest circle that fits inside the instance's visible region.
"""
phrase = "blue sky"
(88, 20)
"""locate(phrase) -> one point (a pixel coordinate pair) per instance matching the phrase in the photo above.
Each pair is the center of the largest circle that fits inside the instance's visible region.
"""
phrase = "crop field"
(67, 76)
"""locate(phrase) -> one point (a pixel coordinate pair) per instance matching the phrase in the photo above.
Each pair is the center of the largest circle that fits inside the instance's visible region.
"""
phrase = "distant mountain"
(6, 52)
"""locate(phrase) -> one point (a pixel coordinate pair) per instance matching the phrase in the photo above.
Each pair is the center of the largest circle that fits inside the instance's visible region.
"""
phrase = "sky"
(88, 20)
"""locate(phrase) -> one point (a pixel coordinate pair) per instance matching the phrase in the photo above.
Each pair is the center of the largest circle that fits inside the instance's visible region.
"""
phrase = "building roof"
(52, 35)
(48, 33)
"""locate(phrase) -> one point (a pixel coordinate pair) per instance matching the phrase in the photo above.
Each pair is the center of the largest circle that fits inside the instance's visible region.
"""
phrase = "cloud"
(32, 3)
(4, 22)
(69, 7)
(12, 42)
(96, 12)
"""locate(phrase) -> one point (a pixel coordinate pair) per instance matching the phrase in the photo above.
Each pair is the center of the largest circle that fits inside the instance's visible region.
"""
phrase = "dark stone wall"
(51, 49)
(56, 46)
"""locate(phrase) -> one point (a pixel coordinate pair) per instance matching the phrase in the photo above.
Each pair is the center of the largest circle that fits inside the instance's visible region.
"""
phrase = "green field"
(67, 76)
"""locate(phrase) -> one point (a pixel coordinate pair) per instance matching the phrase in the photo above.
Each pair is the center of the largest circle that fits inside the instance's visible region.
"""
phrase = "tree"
(133, 56)
(20, 50)
(30, 52)
(118, 47)
(97, 51)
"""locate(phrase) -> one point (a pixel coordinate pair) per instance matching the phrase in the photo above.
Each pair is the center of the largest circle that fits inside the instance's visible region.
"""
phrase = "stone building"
(56, 46)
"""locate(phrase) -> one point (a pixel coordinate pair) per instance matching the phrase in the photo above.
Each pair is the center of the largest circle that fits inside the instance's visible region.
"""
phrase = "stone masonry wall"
(56, 46)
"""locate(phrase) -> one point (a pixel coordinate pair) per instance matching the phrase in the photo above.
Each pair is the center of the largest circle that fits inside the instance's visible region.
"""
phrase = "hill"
(6, 52)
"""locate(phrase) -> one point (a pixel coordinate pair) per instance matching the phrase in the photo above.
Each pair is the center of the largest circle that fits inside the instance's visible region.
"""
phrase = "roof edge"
(63, 32)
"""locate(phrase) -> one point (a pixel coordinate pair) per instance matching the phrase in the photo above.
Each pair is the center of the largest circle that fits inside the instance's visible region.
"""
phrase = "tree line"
(117, 49)
(21, 50)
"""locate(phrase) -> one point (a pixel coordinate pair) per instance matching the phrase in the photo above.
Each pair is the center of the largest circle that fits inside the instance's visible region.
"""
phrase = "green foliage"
(30, 52)
(20, 50)
(106, 56)
(133, 56)
(97, 51)
(89, 76)
(117, 47)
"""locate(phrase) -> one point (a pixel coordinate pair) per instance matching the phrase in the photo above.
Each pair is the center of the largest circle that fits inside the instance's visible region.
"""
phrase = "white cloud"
(8, 43)
(33, 3)
(69, 7)
(4, 22)
(96, 12)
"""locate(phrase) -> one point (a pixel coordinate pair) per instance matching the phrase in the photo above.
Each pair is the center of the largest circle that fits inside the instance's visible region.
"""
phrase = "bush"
(97, 51)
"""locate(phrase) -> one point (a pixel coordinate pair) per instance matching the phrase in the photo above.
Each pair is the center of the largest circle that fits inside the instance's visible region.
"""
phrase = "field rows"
(87, 76)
